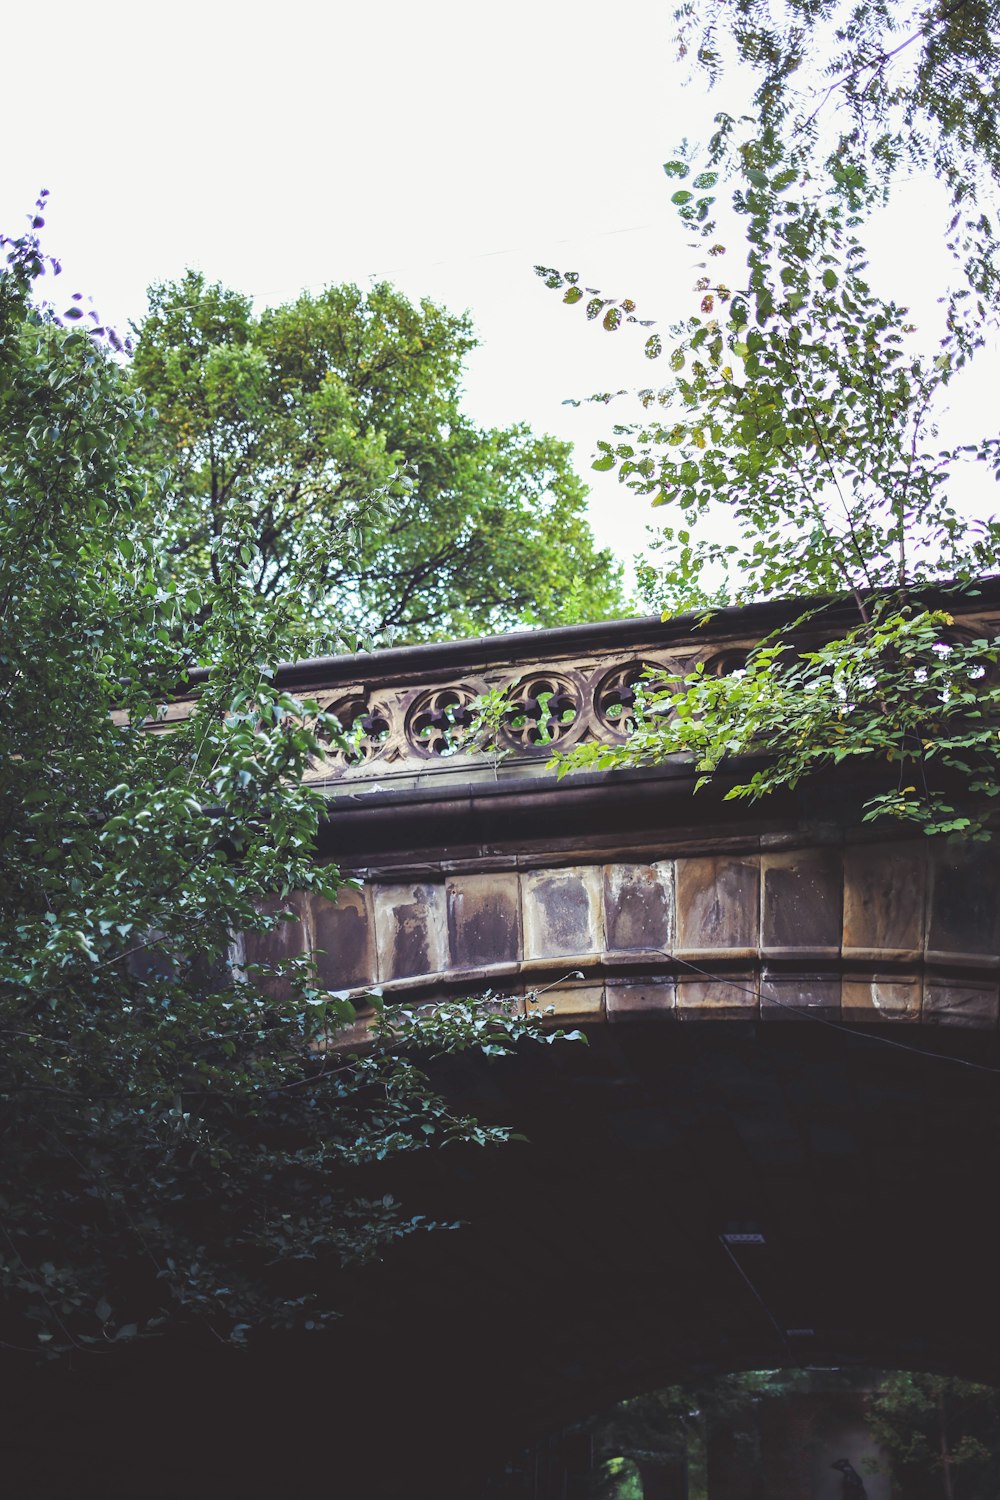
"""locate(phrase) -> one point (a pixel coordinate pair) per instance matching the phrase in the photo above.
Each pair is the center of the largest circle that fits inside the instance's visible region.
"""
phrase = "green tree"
(334, 423)
(867, 91)
(178, 1142)
(794, 453)
(942, 1434)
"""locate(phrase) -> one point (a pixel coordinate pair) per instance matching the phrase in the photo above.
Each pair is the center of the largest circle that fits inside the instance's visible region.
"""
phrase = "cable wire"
(806, 1015)
(767, 1311)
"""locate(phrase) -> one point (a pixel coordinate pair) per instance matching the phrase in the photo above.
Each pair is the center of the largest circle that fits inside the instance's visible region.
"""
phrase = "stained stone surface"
(650, 999)
(965, 912)
(412, 929)
(562, 912)
(882, 933)
(344, 934)
(884, 900)
(484, 918)
(639, 905)
(718, 905)
(802, 902)
(490, 874)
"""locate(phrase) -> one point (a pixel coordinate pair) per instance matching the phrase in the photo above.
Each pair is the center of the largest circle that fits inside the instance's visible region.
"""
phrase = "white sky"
(444, 145)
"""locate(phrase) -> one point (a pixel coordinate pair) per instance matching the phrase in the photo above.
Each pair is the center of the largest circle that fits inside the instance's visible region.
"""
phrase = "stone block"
(637, 961)
(964, 922)
(568, 1004)
(972, 1003)
(484, 919)
(792, 996)
(718, 905)
(561, 911)
(802, 903)
(357, 1036)
(344, 931)
(459, 983)
(639, 906)
(884, 889)
(412, 929)
(880, 997)
(640, 999)
(721, 997)
(288, 939)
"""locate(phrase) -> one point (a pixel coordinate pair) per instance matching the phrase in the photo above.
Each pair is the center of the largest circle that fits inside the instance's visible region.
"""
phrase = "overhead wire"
(782, 1337)
(808, 1015)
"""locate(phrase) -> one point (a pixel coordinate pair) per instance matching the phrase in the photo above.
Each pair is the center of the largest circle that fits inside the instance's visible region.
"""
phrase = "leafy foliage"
(181, 1136)
(793, 452)
(334, 424)
(938, 1427)
(870, 90)
(941, 1435)
(894, 690)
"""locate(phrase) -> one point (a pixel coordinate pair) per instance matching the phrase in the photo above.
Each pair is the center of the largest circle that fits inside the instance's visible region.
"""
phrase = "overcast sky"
(446, 146)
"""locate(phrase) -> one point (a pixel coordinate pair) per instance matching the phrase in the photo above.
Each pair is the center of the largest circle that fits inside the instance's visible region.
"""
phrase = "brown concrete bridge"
(780, 1147)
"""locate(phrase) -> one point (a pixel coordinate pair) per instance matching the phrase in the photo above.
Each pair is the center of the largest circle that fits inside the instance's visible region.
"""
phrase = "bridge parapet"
(408, 714)
(621, 895)
(411, 717)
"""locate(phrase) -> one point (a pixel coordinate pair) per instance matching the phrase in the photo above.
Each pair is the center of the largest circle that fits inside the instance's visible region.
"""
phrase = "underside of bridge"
(855, 1180)
(779, 1145)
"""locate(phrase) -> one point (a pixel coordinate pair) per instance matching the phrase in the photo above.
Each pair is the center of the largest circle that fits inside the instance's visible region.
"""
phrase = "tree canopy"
(867, 91)
(942, 1434)
(334, 425)
(793, 451)
(177, 1141)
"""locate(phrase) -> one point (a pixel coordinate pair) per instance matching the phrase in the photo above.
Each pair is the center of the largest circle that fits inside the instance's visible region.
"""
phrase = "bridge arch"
(779, 1145)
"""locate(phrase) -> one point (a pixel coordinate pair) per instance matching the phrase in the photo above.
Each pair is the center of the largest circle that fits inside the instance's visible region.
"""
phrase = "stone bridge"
(622, 897)
(780, 1146)
(781, 1143)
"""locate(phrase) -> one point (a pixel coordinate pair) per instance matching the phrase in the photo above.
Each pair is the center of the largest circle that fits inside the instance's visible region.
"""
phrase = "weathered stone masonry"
(481, 874)
(901, 931)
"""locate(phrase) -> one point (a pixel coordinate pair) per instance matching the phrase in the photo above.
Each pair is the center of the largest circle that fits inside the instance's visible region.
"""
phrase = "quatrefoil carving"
(439, 720)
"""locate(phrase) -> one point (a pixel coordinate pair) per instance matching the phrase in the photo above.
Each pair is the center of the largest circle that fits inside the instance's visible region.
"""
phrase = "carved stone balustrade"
(407, 714)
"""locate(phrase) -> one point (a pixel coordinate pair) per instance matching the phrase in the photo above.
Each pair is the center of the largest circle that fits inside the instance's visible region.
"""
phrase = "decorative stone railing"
(407, 713)
(406, 729)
